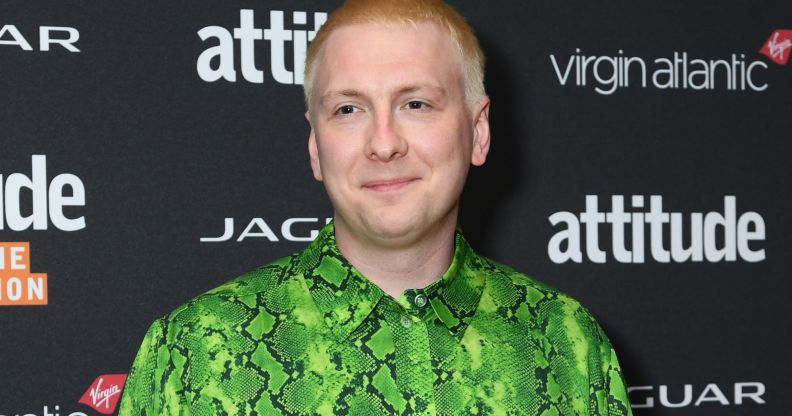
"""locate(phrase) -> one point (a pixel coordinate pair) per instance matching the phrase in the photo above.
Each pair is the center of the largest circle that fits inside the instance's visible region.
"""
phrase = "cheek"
(444, 147)
(338, 154)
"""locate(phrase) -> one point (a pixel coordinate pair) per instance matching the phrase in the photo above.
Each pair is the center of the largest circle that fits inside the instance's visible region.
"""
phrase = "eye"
(346, 110)
(417, 105)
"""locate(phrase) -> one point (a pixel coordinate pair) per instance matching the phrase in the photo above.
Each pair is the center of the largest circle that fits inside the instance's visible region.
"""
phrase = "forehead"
(377, 57)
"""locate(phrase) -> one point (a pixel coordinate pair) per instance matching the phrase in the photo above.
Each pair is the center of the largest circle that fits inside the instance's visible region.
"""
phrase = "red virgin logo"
(104, 393)
(778, 46)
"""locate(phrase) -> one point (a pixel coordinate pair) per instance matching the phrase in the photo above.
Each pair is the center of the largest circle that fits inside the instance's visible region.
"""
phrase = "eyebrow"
(341, 93)
(413, 88)
(350, 93)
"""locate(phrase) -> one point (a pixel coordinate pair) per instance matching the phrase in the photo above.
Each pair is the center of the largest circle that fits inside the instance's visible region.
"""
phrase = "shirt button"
(420, 300)
(405, 321)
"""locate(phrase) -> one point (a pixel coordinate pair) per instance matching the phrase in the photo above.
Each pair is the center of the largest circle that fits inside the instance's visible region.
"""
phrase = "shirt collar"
(345, 297)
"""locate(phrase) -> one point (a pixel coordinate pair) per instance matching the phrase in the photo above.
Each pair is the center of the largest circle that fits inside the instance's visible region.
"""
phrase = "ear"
(313, 150)
(481, 132)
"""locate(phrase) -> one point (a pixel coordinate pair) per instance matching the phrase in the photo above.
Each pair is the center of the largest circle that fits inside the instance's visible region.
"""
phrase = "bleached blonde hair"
(409, 12)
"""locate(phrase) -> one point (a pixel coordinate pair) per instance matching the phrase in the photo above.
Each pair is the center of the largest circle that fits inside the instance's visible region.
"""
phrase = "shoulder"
(531, 301)
(236, 302)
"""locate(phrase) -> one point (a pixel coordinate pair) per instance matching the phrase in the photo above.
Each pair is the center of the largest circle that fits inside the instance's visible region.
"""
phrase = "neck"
(395, 268)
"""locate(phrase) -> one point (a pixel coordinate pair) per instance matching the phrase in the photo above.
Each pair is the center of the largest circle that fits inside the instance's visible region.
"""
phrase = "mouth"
(388, 185)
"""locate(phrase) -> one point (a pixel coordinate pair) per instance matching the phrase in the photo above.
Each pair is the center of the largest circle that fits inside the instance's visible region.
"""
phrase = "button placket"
(412, 352)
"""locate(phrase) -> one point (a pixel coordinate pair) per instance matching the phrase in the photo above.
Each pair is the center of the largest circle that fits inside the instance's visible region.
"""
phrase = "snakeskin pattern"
(308, 334)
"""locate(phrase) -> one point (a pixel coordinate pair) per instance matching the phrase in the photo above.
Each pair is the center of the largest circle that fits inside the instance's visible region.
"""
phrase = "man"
(388, 311)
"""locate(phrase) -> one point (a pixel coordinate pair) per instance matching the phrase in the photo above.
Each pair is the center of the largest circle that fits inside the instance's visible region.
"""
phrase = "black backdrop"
(165, 158)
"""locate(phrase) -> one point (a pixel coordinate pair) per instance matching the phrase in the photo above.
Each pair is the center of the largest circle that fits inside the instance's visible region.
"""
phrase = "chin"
(391, 230)
(392, 225)
(400, 227)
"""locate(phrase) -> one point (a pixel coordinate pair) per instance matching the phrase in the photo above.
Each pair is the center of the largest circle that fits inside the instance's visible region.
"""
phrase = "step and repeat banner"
(640, 162)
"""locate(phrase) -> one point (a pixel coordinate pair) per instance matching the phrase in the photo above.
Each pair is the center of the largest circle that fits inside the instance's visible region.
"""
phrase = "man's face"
(392, 136)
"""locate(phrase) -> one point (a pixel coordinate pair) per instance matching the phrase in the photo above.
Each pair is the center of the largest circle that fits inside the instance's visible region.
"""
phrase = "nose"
(385, 142)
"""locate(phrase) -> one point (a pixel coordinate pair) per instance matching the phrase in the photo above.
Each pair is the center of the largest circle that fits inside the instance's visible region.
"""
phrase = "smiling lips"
(388, 185)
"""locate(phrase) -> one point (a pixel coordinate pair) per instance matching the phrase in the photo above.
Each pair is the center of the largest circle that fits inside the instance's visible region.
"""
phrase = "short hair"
(409, 12)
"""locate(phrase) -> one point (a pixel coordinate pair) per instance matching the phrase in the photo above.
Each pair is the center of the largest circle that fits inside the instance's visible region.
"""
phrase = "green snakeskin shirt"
(308, 334)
